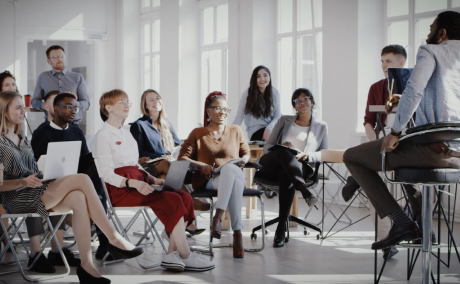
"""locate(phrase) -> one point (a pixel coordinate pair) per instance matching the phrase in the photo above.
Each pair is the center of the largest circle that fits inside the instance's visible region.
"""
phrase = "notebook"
(175, 177)
(279, 146)
(398, 77)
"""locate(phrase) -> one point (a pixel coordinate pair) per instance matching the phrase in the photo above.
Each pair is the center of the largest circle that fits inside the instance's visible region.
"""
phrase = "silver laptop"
(61, 160)
(175, 177)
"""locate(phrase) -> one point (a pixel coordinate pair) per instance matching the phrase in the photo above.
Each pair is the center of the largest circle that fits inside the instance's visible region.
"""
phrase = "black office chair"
(210, 194)
(272, 185)
(428, 177)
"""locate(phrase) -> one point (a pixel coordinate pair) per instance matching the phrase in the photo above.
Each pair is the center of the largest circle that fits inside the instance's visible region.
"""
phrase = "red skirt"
(169, 206)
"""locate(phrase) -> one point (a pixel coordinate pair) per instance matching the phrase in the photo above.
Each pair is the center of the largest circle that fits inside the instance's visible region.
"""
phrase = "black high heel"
(118, 253)
(87, 278)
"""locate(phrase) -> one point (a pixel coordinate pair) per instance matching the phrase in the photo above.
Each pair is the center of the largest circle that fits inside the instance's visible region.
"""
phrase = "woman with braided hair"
(211, 147)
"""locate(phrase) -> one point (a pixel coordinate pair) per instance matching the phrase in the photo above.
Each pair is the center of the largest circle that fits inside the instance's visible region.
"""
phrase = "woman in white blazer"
(307, 136)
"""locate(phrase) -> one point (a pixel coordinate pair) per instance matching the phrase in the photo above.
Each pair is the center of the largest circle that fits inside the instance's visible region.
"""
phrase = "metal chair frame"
(448, 133)
(52, 235)
(123, 230)
(248, 192)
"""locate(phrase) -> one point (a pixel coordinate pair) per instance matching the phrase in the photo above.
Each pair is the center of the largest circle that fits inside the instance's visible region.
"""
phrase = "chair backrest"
(434, 133)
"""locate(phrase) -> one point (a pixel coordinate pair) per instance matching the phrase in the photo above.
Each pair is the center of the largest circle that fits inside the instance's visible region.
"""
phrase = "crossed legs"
(77, 193)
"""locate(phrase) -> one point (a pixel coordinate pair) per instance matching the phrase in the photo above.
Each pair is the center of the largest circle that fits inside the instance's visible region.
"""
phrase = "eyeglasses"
(57, 57)
(224, 110)
(70, 108)
(125, 103)
(296, 101)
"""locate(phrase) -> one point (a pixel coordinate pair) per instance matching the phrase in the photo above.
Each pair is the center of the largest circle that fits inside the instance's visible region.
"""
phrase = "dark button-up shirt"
(149, 139)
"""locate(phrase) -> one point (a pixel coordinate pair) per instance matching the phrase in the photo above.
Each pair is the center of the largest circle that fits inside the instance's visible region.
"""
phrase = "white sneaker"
(195, 262)
(173, 261)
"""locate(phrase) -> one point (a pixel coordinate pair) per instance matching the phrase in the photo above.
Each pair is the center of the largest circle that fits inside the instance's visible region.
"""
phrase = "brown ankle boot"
(238, 248)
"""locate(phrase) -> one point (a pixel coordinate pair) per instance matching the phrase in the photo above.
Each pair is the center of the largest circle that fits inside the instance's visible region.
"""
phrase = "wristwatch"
(394, 133)
(126, 183)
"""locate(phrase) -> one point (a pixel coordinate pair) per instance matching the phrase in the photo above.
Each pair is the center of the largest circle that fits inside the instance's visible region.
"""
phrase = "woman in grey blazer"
(307, 136)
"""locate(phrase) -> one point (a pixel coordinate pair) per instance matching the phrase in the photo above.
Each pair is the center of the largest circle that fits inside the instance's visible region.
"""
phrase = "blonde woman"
(116, 155)
(154, 134)
(155, 138)
(75, 192)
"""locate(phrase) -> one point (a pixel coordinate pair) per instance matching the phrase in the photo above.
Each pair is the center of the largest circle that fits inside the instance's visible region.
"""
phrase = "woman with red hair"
(213, 146)
(116, 155)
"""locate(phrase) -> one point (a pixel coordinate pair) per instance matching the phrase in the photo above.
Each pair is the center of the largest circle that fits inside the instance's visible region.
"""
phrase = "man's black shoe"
(56, 259)
(396, 235)
(278, 241)
(349, 189)
(418, 219)
(42, 265)
(389, 252)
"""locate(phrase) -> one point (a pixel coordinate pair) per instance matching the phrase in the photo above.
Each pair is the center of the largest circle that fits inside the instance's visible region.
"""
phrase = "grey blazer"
(317, 138)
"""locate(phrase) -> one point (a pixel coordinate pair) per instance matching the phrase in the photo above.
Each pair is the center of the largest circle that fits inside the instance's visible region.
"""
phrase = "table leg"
(225, 225)
(251, 203)
(294, 210)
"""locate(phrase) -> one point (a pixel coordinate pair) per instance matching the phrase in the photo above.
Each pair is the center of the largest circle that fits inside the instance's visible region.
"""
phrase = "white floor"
(343, 258)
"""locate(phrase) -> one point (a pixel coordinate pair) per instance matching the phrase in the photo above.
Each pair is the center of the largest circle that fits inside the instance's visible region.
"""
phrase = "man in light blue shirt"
(433, 91)
(62, 80)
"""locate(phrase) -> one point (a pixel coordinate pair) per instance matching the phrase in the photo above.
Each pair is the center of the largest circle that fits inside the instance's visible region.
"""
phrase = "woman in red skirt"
(116, 155)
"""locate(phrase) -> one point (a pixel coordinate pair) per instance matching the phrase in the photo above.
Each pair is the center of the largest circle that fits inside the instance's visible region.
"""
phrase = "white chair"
(16, 221)
(123, 230)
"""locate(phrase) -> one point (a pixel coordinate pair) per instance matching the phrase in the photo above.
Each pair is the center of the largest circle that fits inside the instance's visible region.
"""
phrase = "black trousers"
(258, 135)
(281, 165)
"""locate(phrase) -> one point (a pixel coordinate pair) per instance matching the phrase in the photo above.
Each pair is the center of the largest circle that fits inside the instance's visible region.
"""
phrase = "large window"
(149, 5)
(150, 42)
(408, 22)
(299, 48)
(214, 48)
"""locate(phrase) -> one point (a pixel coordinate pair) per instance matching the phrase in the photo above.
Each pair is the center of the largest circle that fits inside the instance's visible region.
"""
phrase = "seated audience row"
(24, 192)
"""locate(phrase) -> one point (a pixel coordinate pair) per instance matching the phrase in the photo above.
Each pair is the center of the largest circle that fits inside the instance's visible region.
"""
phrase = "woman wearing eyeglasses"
(259, 105)
(307, 136)
(116, 155)
(210, 147)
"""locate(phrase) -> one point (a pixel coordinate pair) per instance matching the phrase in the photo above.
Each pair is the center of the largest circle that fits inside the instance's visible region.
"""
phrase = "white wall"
(65, 20)
(340, 66)
(189, 108)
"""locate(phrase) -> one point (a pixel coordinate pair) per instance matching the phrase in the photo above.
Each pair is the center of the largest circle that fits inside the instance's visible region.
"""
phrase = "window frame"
(150, 18)
(412, 17)
(296, 35)
(222, 46)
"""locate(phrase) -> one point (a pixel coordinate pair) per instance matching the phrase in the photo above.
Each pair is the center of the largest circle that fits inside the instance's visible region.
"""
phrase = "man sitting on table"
(61, 129)
(433, 91)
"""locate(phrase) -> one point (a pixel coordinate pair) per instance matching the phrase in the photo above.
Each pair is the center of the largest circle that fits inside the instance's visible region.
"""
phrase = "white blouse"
(113, 148)
(298, 136)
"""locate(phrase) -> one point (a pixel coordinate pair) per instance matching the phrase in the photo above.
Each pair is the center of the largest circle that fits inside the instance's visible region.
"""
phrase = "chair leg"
(52, 235)
(427, 220)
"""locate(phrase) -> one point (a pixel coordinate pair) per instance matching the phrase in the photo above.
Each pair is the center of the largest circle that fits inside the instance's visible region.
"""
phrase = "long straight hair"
(258, 104)
(5, 101)
(162, 123)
